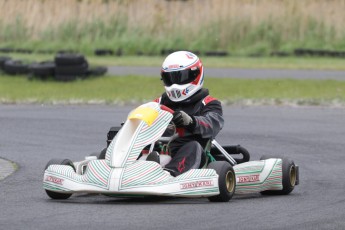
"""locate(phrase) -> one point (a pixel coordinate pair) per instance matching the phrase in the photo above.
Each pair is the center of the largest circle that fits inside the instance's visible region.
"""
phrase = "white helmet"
(183, 75)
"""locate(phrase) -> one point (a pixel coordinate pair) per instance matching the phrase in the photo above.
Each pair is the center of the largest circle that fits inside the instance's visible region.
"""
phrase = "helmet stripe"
(181, 68)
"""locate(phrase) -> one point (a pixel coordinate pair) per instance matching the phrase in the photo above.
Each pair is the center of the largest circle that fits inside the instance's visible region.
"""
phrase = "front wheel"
(226, 181)
(57, 195)
(100, 155)
(290, 176)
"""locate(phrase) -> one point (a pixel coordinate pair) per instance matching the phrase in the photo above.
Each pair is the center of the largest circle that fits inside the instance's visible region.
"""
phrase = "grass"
(240, 27)
(316, 63)
(125, 89)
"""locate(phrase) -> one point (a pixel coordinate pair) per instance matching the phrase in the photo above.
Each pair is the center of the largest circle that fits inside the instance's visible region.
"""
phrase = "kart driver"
(198, 116)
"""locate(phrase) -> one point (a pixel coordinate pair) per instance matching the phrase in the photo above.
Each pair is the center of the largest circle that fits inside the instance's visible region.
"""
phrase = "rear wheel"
(226, 181)
(57, 195)
(290, 176)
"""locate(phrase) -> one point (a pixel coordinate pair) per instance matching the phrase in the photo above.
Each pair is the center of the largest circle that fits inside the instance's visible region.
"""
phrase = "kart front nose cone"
(146, 114)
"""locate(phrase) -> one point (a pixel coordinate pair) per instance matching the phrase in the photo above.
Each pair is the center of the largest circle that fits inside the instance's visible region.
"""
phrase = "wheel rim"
(292, 174)
(230, 181)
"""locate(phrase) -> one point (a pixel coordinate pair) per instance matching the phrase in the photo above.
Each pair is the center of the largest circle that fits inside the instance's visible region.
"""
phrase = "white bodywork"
(258, 176)
(121, 173)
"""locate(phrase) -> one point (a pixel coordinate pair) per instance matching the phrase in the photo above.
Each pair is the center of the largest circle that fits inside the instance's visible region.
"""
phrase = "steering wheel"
(171, 127)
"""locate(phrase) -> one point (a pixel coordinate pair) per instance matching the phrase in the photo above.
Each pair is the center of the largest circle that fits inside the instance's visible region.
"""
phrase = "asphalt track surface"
(313, 137)
(338, 75)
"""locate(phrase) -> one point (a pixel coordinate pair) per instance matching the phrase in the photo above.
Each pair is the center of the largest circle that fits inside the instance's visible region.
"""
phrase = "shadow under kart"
(122, 169)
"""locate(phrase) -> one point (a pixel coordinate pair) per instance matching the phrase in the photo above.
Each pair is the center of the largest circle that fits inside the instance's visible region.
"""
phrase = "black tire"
(24, 51)
(112, 133)
(3, 59)
(216, 53)
(65, 59)
(42, 70)
(57, 195)
(69, 51)
(6, 50)
(226, 181)
(15, 67)
(78, 70)
(97, 71)
(100, 155)
(45, 51)
(103, 52)
(290, 176)
(70, 72)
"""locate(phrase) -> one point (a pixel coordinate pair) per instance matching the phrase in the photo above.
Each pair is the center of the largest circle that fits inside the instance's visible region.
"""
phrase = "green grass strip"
(136, 89)
(314, 63)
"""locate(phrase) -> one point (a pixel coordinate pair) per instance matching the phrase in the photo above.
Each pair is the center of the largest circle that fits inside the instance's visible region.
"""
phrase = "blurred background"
(236, 27)
(292, 51)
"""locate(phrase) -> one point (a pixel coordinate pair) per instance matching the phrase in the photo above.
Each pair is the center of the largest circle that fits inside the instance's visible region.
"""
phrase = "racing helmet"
(182, 74)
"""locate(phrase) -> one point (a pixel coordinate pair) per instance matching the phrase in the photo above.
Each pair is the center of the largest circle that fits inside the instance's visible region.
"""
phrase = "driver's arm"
(210, 122)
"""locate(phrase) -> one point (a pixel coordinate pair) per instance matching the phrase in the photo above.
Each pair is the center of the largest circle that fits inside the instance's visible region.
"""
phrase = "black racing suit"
(207, 114)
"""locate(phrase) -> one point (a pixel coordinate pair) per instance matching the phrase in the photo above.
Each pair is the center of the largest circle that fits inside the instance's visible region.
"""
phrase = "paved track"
(239, 73)
(314, 137)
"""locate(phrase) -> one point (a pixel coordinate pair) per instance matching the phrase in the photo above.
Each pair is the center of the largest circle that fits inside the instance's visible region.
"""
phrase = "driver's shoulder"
(208, 99)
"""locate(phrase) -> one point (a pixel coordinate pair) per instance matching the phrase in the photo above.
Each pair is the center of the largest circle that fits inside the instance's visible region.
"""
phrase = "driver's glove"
(182, 119)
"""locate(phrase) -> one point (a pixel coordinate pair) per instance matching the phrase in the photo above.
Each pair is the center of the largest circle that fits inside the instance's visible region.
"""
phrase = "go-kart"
(123, 168)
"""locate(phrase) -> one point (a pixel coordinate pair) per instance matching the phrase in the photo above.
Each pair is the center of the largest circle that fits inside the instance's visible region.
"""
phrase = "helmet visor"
(179, 77)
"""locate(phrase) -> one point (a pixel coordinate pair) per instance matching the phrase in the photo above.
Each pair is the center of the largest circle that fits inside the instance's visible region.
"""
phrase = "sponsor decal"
(174, 66)
(181, 165)
(54, 180)
(173, 93)
(196, 184)
(187, 90)
(248, 179)
(178, 93)
(190, 56)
